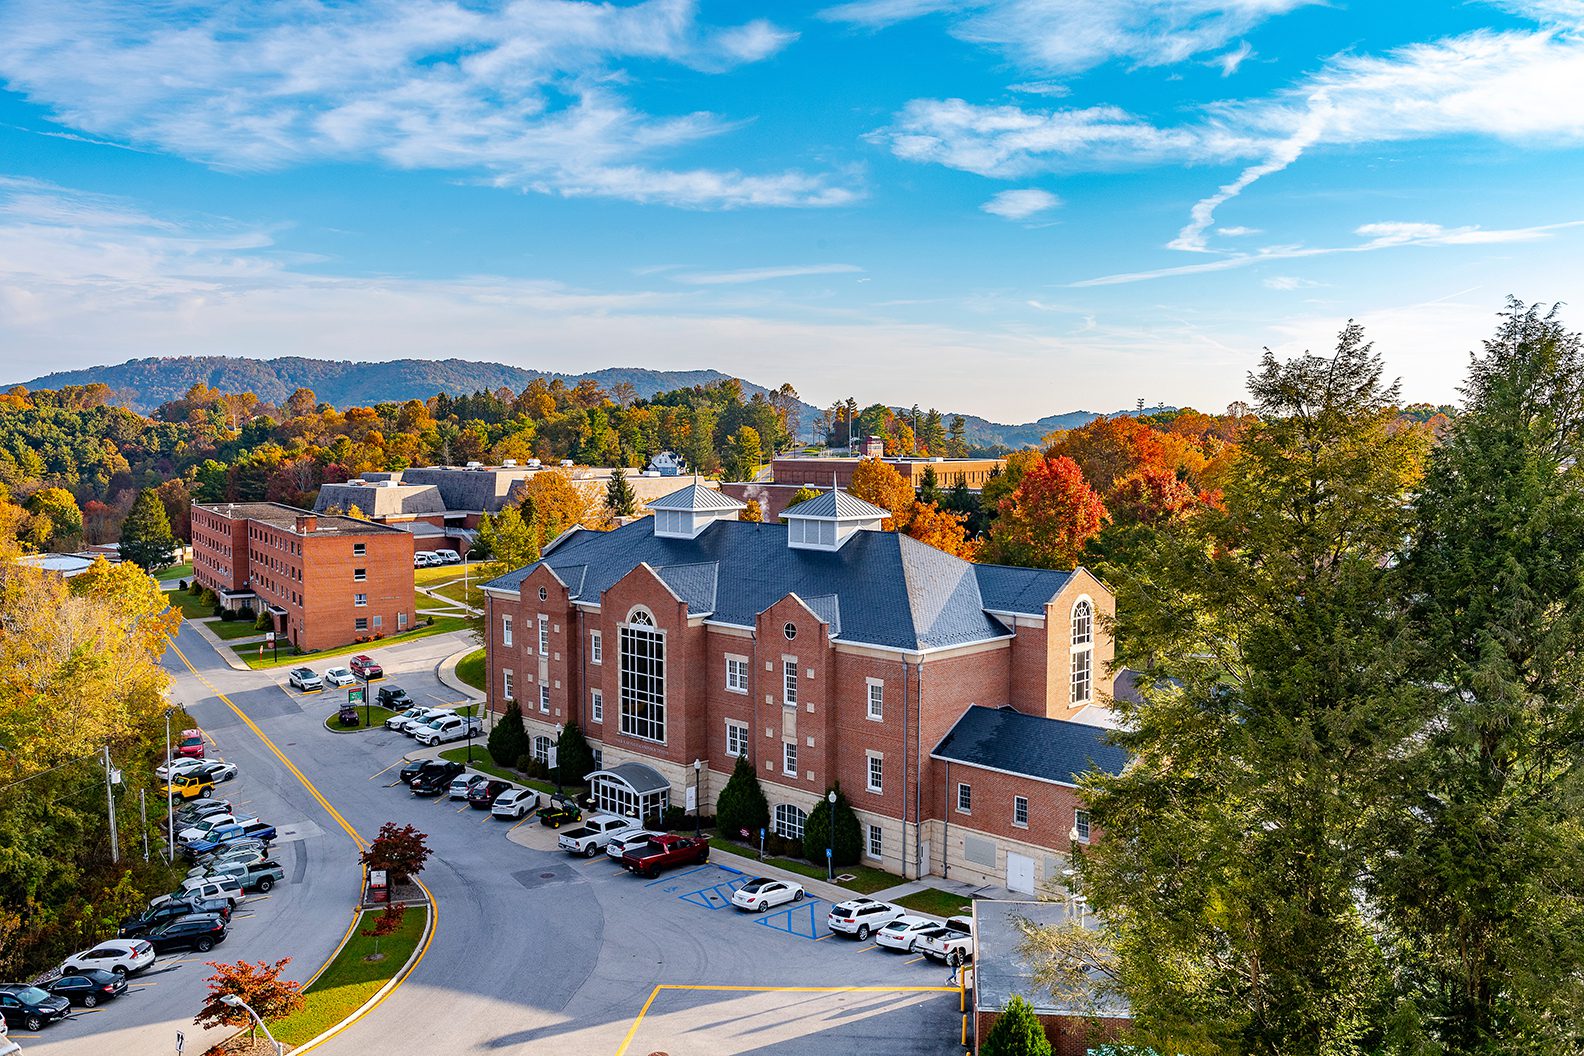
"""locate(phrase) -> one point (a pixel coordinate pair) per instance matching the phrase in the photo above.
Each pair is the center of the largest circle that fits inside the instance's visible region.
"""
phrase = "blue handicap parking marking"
(716, 896)
(800, 919)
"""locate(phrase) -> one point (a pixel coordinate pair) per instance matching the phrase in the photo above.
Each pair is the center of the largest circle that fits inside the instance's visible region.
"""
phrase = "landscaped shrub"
(508, 741)
(264, 622)
(246, 612)
(208, 598)
(225, 614)
(775, 844)
(194, 588)
(794, 849)
(845, 843)
(677, 819)
(742, 805)
(573, 755)
(1016, 1032)
(181, 584)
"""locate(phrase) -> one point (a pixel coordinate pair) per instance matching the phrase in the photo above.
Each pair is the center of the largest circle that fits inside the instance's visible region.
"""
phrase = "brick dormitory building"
(956, 704)
(326, 580)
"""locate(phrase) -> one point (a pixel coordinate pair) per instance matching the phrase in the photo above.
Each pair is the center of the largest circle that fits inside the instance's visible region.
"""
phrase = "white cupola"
(684, 514)
(829, 521)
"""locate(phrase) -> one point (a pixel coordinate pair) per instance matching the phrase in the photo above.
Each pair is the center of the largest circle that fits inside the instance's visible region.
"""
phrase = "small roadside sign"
(269, 636)
(181, 1042)
(357, 694)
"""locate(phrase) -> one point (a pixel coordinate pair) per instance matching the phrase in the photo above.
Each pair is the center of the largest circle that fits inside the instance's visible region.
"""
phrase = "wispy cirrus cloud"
(1070, 36)
(1021, 204)
(524, 94)
(741, 276)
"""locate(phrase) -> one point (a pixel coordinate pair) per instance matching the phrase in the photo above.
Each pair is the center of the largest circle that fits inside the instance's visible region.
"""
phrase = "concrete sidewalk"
(445, 671)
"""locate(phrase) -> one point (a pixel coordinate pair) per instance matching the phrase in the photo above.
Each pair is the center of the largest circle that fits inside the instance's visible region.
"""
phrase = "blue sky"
(1007, 207)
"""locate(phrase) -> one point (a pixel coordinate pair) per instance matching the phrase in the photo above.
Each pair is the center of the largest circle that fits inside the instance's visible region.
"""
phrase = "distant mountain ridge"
(144, 384)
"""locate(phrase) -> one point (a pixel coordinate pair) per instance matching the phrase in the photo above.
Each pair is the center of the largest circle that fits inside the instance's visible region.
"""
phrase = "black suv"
(31, 1008)
(199, 933)
(418, 766)
(393, 697)
(433, 780)
(162, 914)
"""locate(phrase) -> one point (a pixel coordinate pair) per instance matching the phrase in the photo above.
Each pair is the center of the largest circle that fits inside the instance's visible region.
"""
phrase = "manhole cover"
(547, 876)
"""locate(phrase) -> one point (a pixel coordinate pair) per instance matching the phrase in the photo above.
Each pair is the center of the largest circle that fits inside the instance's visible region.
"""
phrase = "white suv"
(514, 803)
(122, 956)
(623, 842)
(862, 916)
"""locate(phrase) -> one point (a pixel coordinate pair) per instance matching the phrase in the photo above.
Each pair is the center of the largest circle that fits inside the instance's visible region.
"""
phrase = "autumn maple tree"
(1048, 519)
(400, 851)
(389, 921)
(258, 984)
(876, 482)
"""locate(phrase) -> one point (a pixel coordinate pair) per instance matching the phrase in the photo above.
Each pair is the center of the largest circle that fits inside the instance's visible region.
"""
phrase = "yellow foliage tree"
(875, 481)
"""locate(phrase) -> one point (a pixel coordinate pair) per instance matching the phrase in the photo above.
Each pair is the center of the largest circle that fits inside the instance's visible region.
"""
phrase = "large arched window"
(541, 750)
(1082, 652)
(789, 821)
(642, 666)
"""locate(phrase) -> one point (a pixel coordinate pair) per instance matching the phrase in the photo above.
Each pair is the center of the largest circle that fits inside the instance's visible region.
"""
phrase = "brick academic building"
(326, 580)
(956, 704)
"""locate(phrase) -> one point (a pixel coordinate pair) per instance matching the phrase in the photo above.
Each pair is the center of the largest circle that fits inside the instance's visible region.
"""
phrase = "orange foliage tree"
(875, 481)
(941, 529)
(1048, 519)
(258, 984)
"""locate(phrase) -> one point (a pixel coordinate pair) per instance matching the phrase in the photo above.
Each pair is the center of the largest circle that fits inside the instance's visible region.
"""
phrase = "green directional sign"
(357, 695)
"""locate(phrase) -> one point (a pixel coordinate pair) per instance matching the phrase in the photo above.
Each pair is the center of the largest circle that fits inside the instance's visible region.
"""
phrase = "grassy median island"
(376, 719)
(351, 979)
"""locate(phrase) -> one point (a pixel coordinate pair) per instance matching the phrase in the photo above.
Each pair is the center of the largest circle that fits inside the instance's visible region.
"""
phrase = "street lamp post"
(830, 837)
(170, 795)
(233, 1001)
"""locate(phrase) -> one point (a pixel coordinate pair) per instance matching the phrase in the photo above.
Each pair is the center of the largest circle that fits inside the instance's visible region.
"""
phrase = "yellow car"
(189, 786)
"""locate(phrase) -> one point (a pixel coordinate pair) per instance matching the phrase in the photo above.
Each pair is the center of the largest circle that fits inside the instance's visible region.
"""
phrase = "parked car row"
(434, 558)
(360, 668)
(432, 726)
(431, 777)
(894, 928)
(193, 777)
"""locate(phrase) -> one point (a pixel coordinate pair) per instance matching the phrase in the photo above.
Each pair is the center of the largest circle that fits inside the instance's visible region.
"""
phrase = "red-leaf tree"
(258, 984)
(401, 852)
(1048, 519)
(384, 924)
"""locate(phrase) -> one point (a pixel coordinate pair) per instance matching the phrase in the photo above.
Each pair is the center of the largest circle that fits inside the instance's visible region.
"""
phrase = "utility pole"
(170, 796)
(115, 840)
(143, 813)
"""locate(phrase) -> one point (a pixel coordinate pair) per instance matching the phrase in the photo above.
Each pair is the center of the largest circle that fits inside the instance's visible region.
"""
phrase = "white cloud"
(1231, 60)
(1053, 89)
(1074, 35)
(523, 93)
(1238, 232)
(1290, 282)
(1021, 204)
(746, 275)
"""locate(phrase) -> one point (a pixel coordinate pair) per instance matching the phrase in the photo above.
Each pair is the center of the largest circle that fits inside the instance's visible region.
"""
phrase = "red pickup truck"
(663, 852)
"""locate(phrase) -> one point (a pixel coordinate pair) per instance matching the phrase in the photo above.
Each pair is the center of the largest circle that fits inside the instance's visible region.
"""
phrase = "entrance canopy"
(630, 790)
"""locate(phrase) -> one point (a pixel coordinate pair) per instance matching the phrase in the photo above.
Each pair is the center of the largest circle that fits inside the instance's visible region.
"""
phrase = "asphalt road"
(533, 952)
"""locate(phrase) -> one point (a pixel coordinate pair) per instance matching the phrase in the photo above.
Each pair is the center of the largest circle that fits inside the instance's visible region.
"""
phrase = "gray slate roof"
(880, 588)
(838, 506)
(1032, 745)
(696, 498)
(1008, 588)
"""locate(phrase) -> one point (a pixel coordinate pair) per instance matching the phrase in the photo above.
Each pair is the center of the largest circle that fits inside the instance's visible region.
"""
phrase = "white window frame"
(1081, 827)
(874, 772)
(736, 739)
(788, 820)
(737, 674)
(360, 623)
(874, 846)
(641, 705)
(1082, 676)
(401, 620)
(359, 549)
(964, 798)
(876, 700)
(1020, 811)
(508, 690)
(544, 699)
(360, 600)
(1081, 629)
(597, 705)
(506, 629)
(596, 648)
(541, 749)
(789, 682)
(544, 636)
(789, 758)
(359, 575)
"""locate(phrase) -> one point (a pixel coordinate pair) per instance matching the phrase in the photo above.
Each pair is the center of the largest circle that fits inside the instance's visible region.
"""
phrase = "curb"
(390, 985)
(445, 671)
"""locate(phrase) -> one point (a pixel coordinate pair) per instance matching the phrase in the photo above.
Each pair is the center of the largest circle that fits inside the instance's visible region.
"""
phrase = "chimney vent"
(307, 522)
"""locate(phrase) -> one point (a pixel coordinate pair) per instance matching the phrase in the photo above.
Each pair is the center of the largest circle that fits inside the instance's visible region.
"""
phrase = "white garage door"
(1020, 873)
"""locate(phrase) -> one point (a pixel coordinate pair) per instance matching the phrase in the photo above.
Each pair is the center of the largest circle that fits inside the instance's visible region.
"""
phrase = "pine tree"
(508, 741)
(574, 757)
(956, 442)
(1016, 1032)
(841, 836)
(742, 806)
(620, 499)
(146, 537)
(1480, 863)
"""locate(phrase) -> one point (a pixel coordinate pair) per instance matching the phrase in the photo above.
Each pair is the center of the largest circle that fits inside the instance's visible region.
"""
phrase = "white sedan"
(903, 933)
(762, 892)
(182, 765)
(218, 770)
(340, 676)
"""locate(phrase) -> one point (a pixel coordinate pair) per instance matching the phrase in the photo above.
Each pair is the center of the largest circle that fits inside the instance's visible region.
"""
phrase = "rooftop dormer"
(829, 521)
(684, 514)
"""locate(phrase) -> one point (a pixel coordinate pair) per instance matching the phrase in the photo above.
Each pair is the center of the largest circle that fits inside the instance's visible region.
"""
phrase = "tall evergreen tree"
(741, 806)
(146, 537)
(508, 741)
(1235, 842)
(1016, 1032)
(1481, 867)
(620, 499)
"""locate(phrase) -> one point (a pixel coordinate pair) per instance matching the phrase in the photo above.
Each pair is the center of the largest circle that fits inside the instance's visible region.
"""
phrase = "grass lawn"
(865, 878)
(485, 765)
(428, 577)
(376, 719)
(191, 608)
(182, 571)
(470, 669)
(290, 658)
(349, 980)
(456, 592)
(233, 629)
(934, 901)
